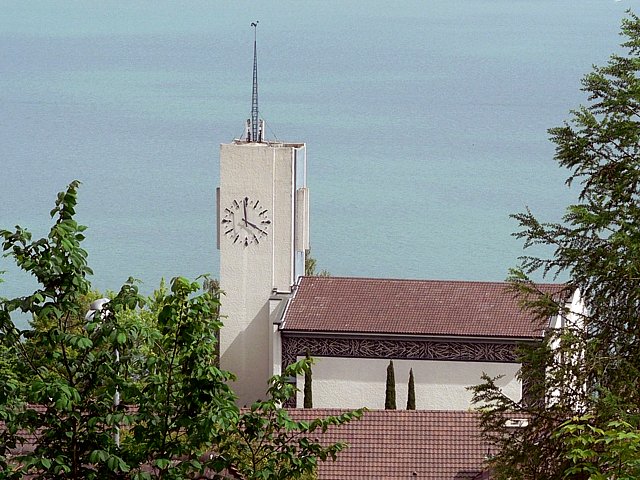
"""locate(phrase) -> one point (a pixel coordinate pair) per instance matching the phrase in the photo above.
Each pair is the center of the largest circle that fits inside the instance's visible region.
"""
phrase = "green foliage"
(310, 265)
(308, 385)
(411, 392)
(390, 390)
(600, 453)
(584, 388)
(175, 418)
(183, 401)
(71, 375)
(213, 287)
(268, 444)
(10, 401)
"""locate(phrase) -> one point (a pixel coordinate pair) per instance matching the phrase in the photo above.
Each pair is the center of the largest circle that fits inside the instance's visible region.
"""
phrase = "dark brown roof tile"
(403, 444)
(410, 307)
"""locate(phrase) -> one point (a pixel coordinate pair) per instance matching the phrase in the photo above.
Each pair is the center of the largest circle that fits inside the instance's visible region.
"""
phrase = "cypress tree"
(390, 394)
(308, 393)
(411, 392)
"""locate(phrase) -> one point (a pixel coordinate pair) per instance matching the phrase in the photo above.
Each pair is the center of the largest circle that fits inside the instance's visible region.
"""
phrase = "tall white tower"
(262, 206)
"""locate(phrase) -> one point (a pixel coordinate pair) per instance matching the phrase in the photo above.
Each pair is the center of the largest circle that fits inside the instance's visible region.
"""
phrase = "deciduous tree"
(176, 417)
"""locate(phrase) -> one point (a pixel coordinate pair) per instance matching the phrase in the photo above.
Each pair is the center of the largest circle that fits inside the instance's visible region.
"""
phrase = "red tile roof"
(403, 444)
(410, 307)
(397, 444)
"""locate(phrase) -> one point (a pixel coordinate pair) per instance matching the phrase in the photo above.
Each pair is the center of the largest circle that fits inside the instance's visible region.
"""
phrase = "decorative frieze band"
(293, 347)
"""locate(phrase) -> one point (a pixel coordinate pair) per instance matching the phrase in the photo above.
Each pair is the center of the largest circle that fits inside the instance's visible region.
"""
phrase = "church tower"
(262, 235)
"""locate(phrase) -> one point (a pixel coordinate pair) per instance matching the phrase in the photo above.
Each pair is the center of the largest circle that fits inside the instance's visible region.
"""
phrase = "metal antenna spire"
(255, 135)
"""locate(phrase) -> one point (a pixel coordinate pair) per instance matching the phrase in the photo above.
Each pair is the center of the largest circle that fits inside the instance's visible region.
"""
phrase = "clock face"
(245, 222)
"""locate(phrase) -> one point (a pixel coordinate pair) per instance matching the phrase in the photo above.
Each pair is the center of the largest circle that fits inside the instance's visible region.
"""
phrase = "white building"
(448, 332)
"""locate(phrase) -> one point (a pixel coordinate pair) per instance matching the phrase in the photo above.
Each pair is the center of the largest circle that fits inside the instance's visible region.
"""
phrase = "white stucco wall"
(573, 319)
(439, 385)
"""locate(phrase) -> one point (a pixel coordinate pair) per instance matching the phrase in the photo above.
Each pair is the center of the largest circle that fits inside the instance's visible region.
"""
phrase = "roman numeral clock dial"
(245, 222)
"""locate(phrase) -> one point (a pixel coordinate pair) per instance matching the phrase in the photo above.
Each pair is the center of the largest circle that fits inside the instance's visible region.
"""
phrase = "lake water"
(425, 124)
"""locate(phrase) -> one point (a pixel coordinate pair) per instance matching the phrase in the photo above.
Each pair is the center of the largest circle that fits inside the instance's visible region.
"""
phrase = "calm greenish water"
(425, 124)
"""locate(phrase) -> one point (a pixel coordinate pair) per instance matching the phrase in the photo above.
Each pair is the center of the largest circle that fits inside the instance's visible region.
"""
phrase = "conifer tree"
(308, 389)
(390, 394)
(585, 376)
(411, 392)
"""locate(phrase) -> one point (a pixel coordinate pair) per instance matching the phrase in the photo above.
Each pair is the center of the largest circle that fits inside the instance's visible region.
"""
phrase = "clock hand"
(264, 232)
(245, 211)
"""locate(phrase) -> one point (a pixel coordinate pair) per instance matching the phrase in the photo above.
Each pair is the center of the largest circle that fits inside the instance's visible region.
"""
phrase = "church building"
(448, 332)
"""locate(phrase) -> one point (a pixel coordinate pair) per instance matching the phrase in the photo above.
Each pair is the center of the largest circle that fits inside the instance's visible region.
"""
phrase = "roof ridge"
(420, 280)
(389, 412)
